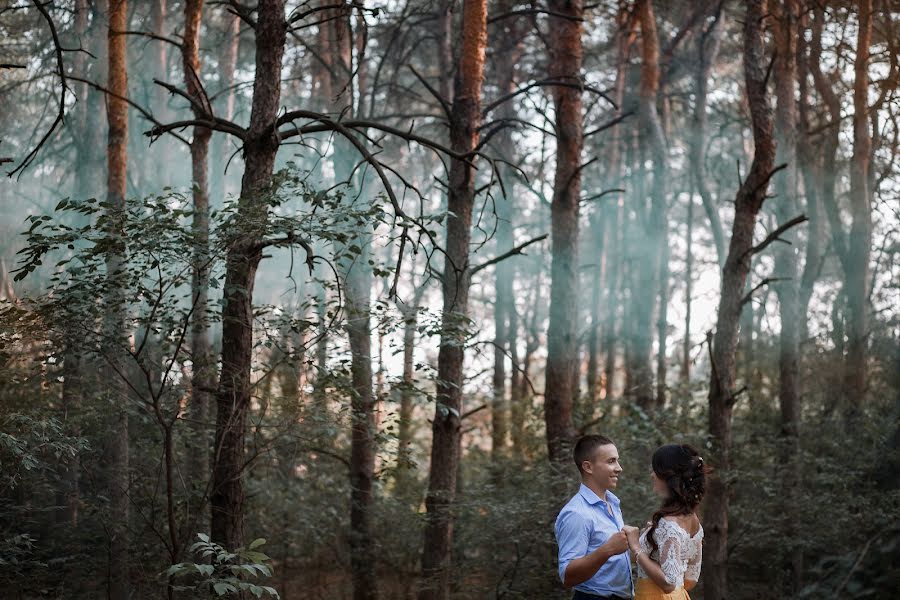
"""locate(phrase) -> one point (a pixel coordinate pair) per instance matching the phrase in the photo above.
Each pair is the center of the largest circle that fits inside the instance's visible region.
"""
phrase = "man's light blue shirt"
(583, 525)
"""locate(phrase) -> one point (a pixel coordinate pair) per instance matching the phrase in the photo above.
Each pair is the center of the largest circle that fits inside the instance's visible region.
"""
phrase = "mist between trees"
(311, 299)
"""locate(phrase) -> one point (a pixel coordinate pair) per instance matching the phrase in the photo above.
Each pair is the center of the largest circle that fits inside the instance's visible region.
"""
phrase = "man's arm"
(576, 564)
(581, 569)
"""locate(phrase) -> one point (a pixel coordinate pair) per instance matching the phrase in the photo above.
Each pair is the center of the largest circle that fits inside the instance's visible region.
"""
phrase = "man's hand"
(633, 535)
(617, 542)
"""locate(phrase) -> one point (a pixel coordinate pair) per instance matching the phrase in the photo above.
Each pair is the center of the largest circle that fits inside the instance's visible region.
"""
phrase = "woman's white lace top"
(679, 554)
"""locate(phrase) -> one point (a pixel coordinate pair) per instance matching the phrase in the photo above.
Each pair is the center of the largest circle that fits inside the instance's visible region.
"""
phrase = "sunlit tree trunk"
(748, 202)
(566, 53)
(242, 260)
(445, 449)
(117, 165)
(202, 376)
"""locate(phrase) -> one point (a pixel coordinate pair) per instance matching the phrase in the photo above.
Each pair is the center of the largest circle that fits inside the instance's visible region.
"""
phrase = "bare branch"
(511, 252)
(763, 283)
(775, 235)
(61, 71)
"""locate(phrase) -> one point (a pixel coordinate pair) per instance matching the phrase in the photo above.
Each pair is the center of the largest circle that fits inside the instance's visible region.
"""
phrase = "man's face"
(604, 469)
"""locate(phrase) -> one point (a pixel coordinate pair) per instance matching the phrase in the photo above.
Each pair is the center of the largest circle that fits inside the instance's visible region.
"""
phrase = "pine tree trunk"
(357, 286)
(857, 275)
(786, 265)
(507, 54)
(748, 202)
(202, 376)
(649, 255)
(566, 53)
(445, 449)
(117, 165)
(242, 260)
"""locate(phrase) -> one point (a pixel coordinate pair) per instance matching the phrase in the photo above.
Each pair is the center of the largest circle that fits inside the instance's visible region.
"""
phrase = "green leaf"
(257, 543)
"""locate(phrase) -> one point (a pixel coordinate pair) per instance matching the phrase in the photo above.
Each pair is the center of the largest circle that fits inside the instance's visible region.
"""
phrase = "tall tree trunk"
(649, 272)
(227, 63)
(605, 230)
(117, 165)
(857, 276)
(566, 53)
(708, 45)
(410, 314)
(242, 260)
(507, 54)
(786, 267)
(357, 278)
(86, 185)
(809, 163)
(445, 449)
(688, 291)
(202, 376)
(748, 202)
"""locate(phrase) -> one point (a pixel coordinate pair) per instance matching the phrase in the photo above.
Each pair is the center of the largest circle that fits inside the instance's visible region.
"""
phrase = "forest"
(310, 299)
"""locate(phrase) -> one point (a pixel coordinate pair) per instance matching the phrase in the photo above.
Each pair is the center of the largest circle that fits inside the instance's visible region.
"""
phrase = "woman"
(668, 551)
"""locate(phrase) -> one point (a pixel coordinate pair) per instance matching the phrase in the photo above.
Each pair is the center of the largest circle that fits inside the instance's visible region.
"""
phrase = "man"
(590, 532)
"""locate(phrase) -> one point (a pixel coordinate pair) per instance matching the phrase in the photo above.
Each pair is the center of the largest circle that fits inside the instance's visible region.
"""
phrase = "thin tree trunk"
(507, 54)
(357, 276)
(566, 53)
(445, 449)
(202, 377)
(407, 391)
(810, 167)
(786, 266)
(748, 202)
(242, 260)
(117, 165)
(650, 255)
(227, 62)
(857, 276)
(688, 292)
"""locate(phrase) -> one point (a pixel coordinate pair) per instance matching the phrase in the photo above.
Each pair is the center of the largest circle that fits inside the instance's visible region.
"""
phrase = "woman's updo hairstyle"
(682, 469)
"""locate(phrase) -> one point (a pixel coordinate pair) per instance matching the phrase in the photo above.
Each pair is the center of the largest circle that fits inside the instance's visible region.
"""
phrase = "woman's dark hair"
(681, 467)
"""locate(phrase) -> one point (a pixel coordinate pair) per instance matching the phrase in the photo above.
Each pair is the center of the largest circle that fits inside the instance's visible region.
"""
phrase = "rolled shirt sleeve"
(572, 537)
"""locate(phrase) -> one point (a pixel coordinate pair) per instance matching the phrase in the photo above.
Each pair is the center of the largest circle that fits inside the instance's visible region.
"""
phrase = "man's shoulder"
(573, 506)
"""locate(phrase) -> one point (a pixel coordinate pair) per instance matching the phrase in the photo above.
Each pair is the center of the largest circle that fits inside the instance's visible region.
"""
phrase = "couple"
(596, 547)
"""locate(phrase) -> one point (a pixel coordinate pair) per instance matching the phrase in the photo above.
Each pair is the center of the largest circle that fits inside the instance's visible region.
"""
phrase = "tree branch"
(511, 252)
(775, 235)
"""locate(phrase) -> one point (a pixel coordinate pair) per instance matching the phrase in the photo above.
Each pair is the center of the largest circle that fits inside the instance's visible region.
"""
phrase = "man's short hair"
(586, 448)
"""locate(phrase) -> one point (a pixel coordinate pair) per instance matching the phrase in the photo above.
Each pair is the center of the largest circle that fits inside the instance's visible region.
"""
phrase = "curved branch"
(61, 71)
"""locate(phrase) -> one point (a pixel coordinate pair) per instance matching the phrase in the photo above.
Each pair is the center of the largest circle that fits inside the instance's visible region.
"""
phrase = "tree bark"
(227, 63)
(357, 286)
(507, 54)
(202, 375)
(748, 202)
(857, 275)
(565, 47)
(242, 260)
(708, 45)
(117, 166)
(786, 266)
(649, 255)
(445, 449)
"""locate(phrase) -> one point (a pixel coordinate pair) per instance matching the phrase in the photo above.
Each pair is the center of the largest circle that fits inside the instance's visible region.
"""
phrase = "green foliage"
(226, 574)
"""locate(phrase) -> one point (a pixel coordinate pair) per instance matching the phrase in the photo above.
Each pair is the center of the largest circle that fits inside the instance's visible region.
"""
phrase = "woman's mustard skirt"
(645, 589)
